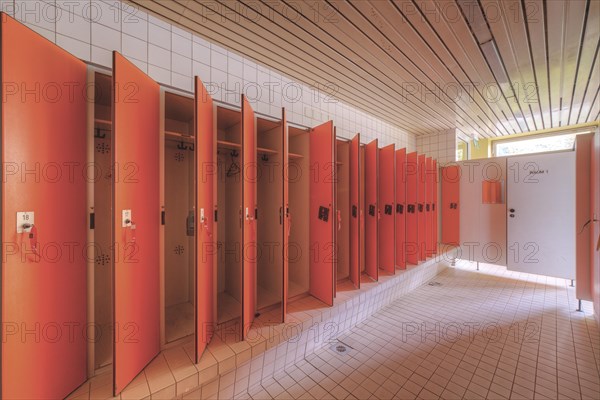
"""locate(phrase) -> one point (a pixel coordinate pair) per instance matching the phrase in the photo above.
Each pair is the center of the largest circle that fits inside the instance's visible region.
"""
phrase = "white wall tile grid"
(92, 29)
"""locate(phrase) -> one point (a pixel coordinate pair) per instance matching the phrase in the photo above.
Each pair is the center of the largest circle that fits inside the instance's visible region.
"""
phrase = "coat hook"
(192, 146)
(265, 158)
(99, 135)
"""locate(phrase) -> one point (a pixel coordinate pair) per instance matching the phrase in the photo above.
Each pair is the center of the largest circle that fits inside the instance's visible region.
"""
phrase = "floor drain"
(434, 284)
(340, 348)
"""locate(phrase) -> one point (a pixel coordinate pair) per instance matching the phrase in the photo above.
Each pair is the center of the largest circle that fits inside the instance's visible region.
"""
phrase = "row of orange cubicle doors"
(45, 221)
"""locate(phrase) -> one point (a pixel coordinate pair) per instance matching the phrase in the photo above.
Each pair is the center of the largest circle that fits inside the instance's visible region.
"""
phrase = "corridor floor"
(488, 334)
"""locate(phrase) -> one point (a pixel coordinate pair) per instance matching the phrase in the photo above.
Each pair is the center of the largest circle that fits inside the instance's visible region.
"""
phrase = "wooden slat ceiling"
(491, 67)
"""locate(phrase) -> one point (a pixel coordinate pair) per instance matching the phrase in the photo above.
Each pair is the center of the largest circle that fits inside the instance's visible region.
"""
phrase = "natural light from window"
(537, 145)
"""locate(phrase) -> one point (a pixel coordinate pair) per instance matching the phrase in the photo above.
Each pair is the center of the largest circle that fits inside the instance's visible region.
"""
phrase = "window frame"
(533, 137)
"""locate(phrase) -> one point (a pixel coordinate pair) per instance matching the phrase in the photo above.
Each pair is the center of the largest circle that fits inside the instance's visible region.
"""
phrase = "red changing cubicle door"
(136, 103)
(206, 242)
(321, 218)
(412, 226)
(421, 199)
(450, 201)
(435, 210)
(249, 250)
(372, 218)
(43, 193)
(286, 210)
(400, 211)
(355, 211)
(428, 207)
(387, 200)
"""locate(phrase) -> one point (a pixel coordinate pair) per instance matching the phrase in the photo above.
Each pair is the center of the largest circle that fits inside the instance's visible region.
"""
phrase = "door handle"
(31, 231)
(130, 226)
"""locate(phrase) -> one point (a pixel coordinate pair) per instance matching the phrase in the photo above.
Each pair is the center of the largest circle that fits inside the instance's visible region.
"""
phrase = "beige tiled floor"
(489, 334)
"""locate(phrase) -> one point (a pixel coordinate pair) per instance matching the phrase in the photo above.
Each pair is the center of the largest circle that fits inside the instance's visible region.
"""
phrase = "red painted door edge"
(387, 202)
(136, 270)
(206, 170)
(285, 212)
(372, 208)
(321, 218)
(249, 250)
(356, 206)
(39, 288)
(412, 226)
(400, 211)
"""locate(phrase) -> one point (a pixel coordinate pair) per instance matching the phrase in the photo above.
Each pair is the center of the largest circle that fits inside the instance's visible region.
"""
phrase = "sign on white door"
(541, 214)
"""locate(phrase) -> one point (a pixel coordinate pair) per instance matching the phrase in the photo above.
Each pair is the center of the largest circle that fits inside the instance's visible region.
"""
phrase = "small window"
(462, 150)
(534, 145)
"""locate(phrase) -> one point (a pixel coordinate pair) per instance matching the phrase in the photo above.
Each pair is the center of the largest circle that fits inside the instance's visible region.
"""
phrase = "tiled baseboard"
(309, 330)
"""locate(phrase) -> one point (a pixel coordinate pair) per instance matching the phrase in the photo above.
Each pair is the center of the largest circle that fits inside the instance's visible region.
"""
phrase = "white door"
(541, 214)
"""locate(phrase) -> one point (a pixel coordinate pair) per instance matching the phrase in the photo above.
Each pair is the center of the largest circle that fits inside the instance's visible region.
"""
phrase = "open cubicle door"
(401, 208)
(322, 217)
(412, 226)
(428, 207)
(206, 247)
(356, 210)
(421, 199)
(136, 221)
(372, 219)
(249, 250)
(387, 194)
(434, 207)
(285, 214)
(450, 186)
(39, 288)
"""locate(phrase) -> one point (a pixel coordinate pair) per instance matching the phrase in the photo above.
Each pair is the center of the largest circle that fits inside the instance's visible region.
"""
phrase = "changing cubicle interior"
(228, 215)
(342, 200)
(270, 213)
(178, 202)
(101, 221)
(298, 175)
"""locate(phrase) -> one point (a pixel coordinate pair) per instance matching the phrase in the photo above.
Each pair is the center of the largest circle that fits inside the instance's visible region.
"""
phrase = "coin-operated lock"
(127, 223)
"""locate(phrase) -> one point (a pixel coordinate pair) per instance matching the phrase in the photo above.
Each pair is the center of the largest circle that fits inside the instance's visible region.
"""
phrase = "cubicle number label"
(25, 220)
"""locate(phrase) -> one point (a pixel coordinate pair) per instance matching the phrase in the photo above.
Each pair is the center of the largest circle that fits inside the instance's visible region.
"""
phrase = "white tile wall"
(439, 145)
(91, 29)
